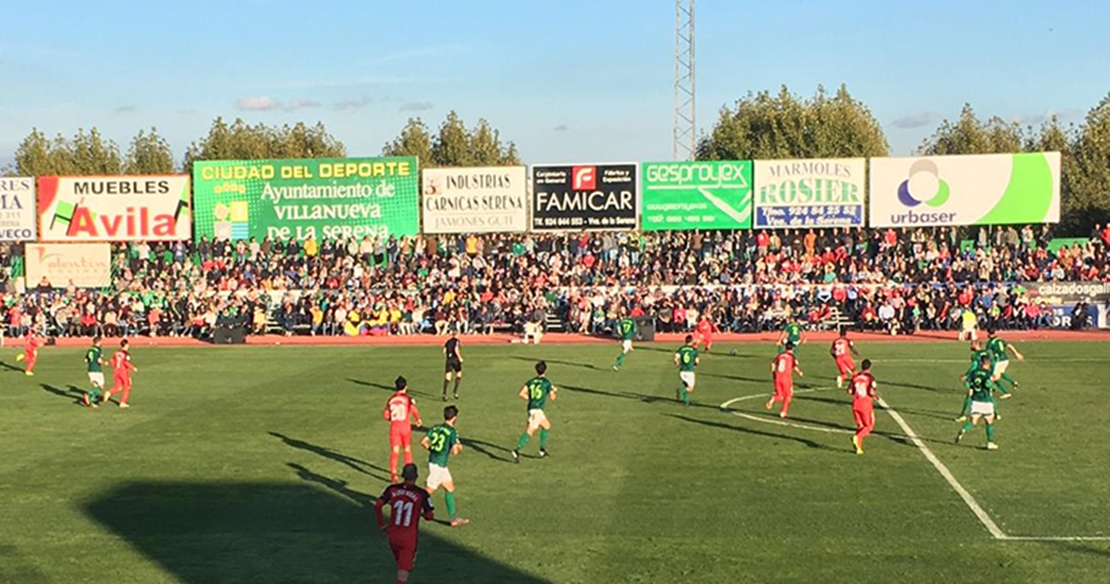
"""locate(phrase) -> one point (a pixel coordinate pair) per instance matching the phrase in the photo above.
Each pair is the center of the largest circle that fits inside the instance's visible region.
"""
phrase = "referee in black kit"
(453, 368)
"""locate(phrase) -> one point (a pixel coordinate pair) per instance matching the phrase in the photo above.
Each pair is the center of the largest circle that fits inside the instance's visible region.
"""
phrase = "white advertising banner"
(475, 200)
(17, 209)
(988, 189)
(85, 265)
(114, 208)
(810, 193)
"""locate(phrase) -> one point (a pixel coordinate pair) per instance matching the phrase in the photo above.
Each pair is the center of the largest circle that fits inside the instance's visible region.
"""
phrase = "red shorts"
(404, 551)
(400, 435)
(865, 416)
(783, 386)
(845, 365)
(121, 383)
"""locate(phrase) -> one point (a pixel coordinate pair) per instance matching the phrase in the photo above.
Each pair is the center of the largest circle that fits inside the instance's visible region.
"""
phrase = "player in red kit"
(703, 333)
(783, 369)
(863, 392)
(401, 411)
(842, 350)
(121, 377)
(407, 503)
(31, 344)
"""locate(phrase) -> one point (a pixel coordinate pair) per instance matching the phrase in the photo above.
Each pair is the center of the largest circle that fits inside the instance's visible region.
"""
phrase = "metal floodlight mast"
(685, 126)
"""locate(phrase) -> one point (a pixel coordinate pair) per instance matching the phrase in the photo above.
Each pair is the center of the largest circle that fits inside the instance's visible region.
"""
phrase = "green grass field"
(260, 465)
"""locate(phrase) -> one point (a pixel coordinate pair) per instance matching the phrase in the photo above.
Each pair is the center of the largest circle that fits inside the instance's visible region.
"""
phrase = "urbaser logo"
(584, 178)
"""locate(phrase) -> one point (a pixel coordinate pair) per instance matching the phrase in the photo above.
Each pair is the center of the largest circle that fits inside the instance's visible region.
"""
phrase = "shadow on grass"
(640, 397)
(351, 462)
(385, 387)
(761, 433)
(493, 451)
(11, 367)
(73, 392)
(560, 362)
(319, 530)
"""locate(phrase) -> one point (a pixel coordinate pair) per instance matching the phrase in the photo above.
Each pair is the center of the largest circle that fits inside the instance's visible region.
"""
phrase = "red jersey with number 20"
(841, 348)
(863, 391)
(407, 503)
(400, 409)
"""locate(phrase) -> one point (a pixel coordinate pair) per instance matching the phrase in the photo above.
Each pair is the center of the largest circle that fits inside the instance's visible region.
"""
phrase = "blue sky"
(567, 81)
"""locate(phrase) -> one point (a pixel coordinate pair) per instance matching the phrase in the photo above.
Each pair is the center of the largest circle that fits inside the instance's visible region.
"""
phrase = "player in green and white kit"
(792, 333)
(94, 364)
(686, 359)
(536, 392)
(978, 353)
(982, 405)
(627, 330)
(1000, 355)
(441, 442)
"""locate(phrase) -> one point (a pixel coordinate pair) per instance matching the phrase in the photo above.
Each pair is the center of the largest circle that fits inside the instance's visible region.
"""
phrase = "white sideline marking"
(985, 519)
(972, 504)
(780, 422)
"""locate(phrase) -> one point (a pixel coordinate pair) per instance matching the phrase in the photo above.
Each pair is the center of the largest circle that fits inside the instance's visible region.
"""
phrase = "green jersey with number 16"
(538, 390)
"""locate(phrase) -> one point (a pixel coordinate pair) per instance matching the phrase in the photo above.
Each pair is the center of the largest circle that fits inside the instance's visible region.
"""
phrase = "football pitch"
(261, 464)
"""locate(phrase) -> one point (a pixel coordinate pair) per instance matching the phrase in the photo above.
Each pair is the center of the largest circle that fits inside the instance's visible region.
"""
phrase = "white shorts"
(536, 418)
(1000, 367)
(984, 409)
(96, 378)
(438, 475)
(626, 345)
(687, 377)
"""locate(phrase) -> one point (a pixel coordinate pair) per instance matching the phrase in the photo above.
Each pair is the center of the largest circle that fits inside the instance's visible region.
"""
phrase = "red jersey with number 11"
(407, 503)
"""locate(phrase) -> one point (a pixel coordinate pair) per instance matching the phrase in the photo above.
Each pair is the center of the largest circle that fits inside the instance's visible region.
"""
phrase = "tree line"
(761, 125)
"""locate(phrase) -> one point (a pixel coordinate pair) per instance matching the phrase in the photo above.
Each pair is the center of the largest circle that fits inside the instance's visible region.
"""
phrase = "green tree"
(969, 135)
(453, 144)
(92, 154)
(415, 140)
(149, 153)
(87, 153)
(1088, 202)
(784, 125)
(241, 141)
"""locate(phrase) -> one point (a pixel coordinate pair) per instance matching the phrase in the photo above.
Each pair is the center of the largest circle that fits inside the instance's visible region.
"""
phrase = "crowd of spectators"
(899, 281)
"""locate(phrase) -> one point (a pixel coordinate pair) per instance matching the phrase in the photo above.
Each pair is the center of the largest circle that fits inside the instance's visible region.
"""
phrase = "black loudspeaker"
(229, 335)
(645, 328)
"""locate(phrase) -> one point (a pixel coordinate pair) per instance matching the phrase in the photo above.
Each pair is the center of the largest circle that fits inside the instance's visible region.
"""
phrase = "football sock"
(522, 442)
(620, 359)
(967, 427)
(95, 394)
(967, 406)
(543, 438)
(408, 456)
(444, 387)
(685, 395)
(393, 456)
(457, 381)
(990, 432)
(450, 503)
(1010, 379)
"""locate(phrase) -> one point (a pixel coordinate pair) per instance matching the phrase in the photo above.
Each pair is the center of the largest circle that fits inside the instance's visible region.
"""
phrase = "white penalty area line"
(972, 504)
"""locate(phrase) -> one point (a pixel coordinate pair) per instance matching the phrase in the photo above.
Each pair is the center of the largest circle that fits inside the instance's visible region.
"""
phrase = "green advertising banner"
(697, 195)
(324, 198)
